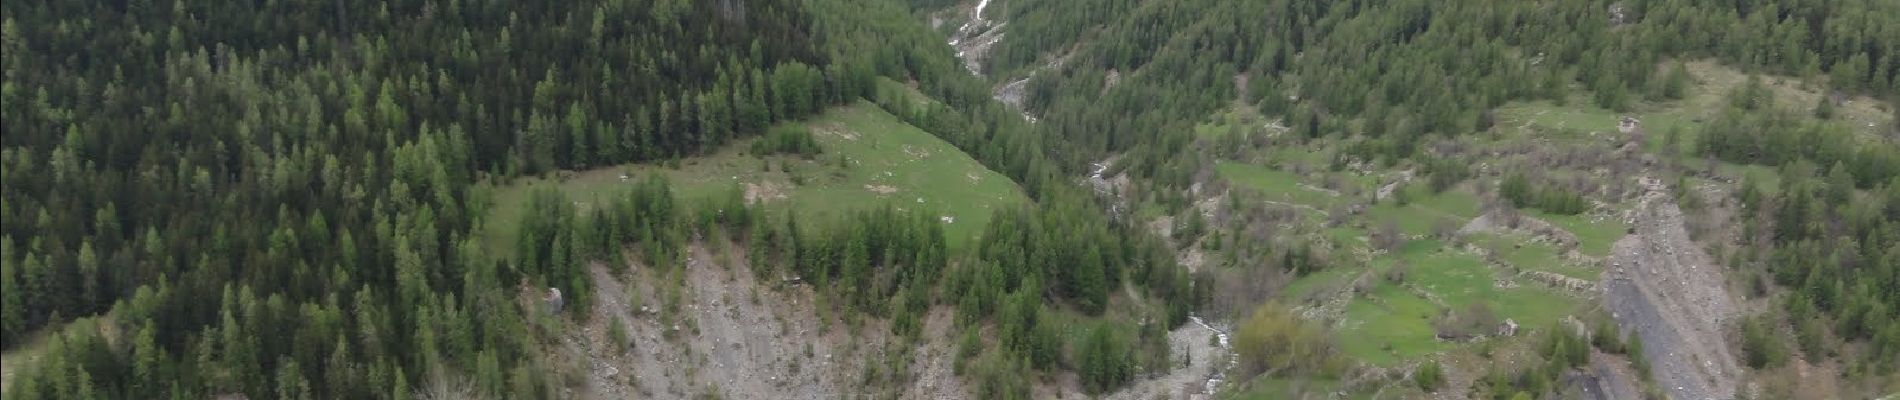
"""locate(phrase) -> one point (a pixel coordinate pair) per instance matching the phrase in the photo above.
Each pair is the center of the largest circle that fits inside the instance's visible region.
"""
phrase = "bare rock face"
(1662, 286)
(736, 336)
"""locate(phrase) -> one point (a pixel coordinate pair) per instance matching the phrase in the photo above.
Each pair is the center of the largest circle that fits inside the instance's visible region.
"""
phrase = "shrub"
(1275, 338)
(1759, 346)
(1104, 361)
(617, 333)
(786, 140)
(1429, 376)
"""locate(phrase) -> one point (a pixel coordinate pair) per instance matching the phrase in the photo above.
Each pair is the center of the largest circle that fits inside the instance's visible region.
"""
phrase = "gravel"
(1663, 287)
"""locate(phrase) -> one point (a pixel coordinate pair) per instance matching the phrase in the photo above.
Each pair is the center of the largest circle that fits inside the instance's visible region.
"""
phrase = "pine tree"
(401, 391)
(12, 296)
(147, 363)
(1676, 83)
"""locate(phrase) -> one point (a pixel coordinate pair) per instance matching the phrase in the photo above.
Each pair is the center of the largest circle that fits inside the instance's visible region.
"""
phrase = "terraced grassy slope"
(1391, 321)
(1536, 272)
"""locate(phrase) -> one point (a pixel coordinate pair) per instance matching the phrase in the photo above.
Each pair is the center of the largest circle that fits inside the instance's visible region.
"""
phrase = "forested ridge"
(280, 199)
(1398, 72)
(275, 198)
(286, 198)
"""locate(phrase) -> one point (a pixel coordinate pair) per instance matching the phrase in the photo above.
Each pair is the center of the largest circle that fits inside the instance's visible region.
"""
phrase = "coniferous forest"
(286, 198)
(276, 199)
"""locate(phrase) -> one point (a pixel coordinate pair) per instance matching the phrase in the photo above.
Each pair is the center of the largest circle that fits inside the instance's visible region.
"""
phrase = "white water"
(973, 39)
(1103, 187)
(1214, 380)
(969, 27)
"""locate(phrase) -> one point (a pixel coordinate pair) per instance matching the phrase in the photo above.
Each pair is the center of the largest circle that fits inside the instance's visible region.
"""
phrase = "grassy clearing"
(882, 153)
(1593, 237)
(1388, 326)
(1455, 203)
(1420, 217)
(1314, 156)
(870, 159)
(1713, 83)
(1530, 255)
(1392, 324)
(1460, 279)
(1273, 388)
(1348, 238)
(1236, 120)
(1318, 282)
(1276, 185)
(1531, 304)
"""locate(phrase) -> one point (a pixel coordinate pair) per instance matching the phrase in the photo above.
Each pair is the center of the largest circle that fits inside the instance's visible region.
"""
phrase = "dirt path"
(1663, 287)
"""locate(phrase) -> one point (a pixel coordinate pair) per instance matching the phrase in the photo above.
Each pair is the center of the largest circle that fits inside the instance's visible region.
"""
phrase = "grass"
(1392, 324)
(883, 153)
(1531, 304)
(1276, 185)
(1388, 326)
(1709, 95)
(1457, 278)
(870, 159)
(1529, 255)
(1239, 119)
(1317, 281)
(1421, 216)
(1272, 387)
(1455, 203)
(1593, 237)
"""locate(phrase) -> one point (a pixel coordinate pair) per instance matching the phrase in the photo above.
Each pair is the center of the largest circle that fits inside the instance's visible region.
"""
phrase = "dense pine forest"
(274, 199)
(288, 198)
(278, 199)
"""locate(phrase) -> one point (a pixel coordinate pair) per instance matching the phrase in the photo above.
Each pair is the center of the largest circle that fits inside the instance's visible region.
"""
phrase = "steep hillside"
(1415, 174)
(333, 177)
(988, 199)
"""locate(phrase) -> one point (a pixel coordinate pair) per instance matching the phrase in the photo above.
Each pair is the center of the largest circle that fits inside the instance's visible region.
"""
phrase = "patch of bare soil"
(916, 153)
(934, 360)
(833, 130)
(1663, 287)
(733, 337)
(1560, 281)
(880, 189)
(1012, 92)
(1607, 378)
(763, 192)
